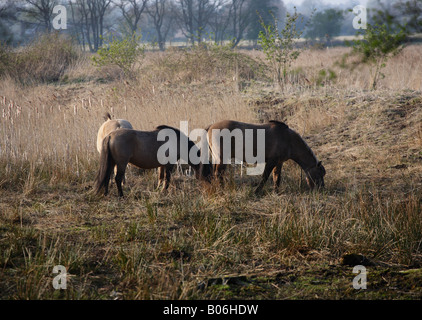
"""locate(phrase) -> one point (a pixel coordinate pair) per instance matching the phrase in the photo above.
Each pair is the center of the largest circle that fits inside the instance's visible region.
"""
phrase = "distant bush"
(123, 53)
(43, 60)
(378, 45)
(278, 45)
(208, 62)
(325, 77)
(5, 59)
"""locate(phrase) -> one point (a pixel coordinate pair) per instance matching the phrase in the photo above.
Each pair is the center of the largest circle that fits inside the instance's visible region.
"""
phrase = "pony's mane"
(178, 132)
(279, 124)
(305, 144)
(163, 126)
(285, 126)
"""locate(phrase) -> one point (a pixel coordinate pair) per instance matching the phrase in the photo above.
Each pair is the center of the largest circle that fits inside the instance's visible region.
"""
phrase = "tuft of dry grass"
(45, 59)
(202, 64)
(402, 72)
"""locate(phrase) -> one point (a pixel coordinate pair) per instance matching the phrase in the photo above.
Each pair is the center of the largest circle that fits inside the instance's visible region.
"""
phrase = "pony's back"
(108, 126)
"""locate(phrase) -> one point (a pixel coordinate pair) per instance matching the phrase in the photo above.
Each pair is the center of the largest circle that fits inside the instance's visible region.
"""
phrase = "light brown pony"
(281, 144)
(140, 148)
(108, 126)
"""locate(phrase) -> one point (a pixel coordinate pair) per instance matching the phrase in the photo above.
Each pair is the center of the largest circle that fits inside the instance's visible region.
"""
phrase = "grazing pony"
(142, 149)
(108, 126)
(281, 144)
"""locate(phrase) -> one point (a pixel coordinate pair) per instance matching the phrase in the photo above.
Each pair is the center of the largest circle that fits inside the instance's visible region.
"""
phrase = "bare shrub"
(214, 62)
(44, 60)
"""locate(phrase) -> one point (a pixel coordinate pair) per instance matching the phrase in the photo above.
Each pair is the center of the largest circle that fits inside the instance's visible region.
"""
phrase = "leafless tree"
(231, 20)
(40, 11)
(220, 21)
(160, 12)
(240, 18)
(8, 9)
(90, 15)
(194, 16)
(132, 11)
(8, 16)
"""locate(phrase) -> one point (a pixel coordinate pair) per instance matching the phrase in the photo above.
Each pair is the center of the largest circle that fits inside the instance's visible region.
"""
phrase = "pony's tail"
(106, 167)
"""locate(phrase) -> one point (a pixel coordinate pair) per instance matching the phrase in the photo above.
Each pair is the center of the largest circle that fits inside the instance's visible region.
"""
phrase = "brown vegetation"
(228, 244)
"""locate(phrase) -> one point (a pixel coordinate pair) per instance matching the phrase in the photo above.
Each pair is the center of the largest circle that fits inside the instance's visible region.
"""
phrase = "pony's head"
(315, 176)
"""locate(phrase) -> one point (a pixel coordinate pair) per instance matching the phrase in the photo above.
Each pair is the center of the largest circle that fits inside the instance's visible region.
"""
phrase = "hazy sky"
(298, 2)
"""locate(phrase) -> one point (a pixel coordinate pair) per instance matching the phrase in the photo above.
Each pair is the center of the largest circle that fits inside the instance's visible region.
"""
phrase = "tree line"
(160, 21)
(89, 21)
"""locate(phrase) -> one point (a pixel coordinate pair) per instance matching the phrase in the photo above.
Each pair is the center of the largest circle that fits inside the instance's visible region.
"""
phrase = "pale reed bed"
(55, 126)
(47, 127)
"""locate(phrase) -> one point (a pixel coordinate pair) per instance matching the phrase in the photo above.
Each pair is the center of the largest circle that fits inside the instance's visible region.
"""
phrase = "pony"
(141, 149)
(108, 126)
(281, 144)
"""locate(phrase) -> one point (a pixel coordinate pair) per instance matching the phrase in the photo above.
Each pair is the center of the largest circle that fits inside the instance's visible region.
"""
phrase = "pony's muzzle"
(315, 184)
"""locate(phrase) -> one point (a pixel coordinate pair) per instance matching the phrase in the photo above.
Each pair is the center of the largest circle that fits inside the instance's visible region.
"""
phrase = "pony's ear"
(107, 116)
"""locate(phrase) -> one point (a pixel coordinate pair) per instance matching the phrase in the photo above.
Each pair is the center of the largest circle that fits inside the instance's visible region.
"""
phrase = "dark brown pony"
(140, 148)
(281, 144)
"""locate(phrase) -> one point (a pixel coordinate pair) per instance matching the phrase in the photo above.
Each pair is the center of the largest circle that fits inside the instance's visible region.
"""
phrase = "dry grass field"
(193, 243)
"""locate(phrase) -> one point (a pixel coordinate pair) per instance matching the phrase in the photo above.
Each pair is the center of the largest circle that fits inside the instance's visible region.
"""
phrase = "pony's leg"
(219, 170)
(106, 189)
(161, 172)
(269, 166)
(115, 173)
(108, 183)
(168, 170)
(277, 175)
(121, 168)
